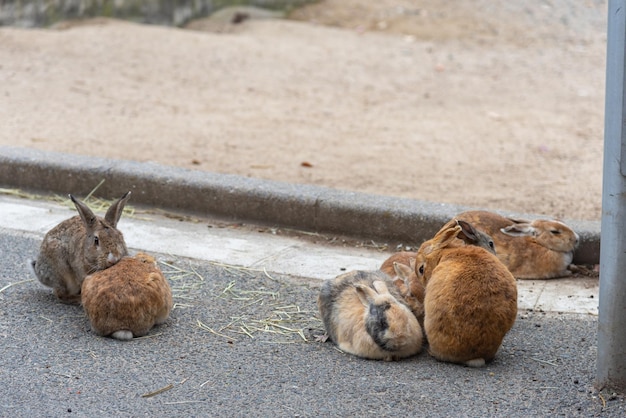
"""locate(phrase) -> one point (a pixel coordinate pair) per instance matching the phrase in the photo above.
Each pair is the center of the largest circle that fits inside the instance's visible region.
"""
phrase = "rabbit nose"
(112, 259)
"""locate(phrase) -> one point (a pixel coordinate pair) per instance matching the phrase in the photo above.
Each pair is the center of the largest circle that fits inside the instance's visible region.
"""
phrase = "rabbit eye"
(555, 232)
(421, 270)
(96, 241)
(491, 245)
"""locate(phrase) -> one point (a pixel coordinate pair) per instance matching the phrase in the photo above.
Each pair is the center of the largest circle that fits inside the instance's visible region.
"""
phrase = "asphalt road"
(242, 343)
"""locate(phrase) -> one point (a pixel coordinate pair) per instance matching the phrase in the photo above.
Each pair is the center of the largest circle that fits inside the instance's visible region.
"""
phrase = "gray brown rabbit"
(79, 246)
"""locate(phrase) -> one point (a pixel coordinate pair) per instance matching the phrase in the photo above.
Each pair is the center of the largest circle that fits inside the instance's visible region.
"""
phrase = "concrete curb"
(305, 207)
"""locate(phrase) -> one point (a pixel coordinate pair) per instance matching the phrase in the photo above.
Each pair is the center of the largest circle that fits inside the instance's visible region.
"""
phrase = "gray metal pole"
(611, 363)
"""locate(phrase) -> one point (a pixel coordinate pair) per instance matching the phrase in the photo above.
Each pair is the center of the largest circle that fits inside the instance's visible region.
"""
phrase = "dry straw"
(284, 323)
(94, 203)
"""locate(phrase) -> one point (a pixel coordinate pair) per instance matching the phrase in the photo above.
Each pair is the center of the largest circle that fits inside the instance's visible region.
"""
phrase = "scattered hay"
(236, 270)
(284, 324)
(551, 363)
(18, 193)
(203, 326)
(256, 296)
(96, 204)
(182, 287)
(182, 306)
(182, 402)
(277, 322)
(15, 284)
(177, 273)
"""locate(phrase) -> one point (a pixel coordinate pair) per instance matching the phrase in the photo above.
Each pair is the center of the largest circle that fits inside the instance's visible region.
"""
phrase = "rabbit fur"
(539, 249)
(126, 300)
(365, 315)
(80, 246)
(470, 300)
(401, 266)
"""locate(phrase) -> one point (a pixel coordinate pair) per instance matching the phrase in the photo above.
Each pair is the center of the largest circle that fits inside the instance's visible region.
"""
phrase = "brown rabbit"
(364, 315)
(469, 236)
(540, 249)
(79, 246)
(127, 299)
(401, 265)
(470, 300)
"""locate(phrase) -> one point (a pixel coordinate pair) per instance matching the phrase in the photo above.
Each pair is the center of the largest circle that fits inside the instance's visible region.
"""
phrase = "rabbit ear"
(403, 272)
(115, 211)
(380, 287)
(519, 230)
(442, 239)
(87, 216)
(518, 221)
(365, 293)
(468, 233)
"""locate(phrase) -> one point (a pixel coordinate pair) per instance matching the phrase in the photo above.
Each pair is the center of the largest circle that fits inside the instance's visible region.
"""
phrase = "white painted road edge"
(273, 253)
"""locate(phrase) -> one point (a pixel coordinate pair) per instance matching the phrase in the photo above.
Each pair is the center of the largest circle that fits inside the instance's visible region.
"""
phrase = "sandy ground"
(489, 104)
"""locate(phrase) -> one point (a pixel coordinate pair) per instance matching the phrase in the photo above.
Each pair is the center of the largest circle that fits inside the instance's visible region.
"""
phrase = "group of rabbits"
(85, 260)
(458, 291)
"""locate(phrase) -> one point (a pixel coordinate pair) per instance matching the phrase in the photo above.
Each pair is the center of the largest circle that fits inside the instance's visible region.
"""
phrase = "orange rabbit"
(470, 300)
(401, 265)
(127, 299)
(539, 249)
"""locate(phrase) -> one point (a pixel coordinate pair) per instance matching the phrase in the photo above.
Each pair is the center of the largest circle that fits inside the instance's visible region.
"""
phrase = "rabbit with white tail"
(126, 300)
(365, 315)
(470, 299)
(79, 246)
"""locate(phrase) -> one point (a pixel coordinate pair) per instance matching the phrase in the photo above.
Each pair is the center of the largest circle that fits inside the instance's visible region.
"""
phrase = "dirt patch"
(489, 105)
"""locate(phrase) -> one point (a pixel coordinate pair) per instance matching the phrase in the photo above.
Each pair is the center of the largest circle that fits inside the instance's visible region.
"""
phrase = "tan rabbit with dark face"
(79, 246)
(364, 315)
(127, 299)
(470, 300)
(539, 249)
